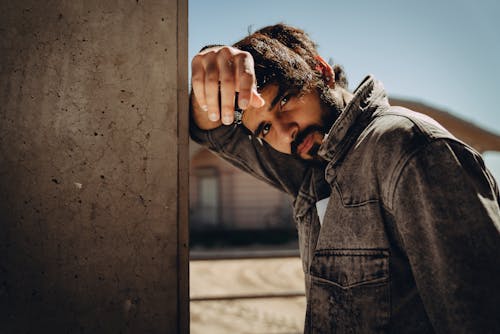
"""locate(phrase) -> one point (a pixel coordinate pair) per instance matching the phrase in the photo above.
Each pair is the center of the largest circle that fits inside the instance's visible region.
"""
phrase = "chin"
(312, 155)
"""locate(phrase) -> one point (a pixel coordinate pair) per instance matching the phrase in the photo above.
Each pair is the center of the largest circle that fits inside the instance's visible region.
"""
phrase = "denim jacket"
(410, 238)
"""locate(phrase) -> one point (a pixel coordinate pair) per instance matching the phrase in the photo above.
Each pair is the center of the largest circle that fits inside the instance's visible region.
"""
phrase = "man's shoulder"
(404, 130)
(394, 135)
(397, 118)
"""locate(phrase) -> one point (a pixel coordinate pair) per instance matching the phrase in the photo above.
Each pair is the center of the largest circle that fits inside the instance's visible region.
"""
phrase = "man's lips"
(306, 144)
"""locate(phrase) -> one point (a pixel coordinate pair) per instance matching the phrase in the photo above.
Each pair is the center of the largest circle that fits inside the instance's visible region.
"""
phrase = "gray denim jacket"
(410, 238)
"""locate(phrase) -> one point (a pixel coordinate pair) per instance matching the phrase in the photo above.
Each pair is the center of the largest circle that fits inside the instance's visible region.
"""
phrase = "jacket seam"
(340, 251)
(353, 205)
(402, 166)
(371, 281)
(399, 169)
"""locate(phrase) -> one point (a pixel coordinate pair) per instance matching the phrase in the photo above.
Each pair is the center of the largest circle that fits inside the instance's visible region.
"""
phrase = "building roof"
(481, 139)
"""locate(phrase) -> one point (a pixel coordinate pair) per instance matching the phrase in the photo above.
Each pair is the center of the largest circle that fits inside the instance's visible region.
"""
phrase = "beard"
(333, 106)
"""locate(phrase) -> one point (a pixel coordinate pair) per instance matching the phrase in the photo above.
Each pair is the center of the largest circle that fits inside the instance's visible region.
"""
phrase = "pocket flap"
(350, 267)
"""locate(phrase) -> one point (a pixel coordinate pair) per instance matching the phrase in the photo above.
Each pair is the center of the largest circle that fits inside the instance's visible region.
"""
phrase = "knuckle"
(212, 77)
(227, 108)
(244, 55)
(212, 104)
(212, 70)
(225, 52)
(246, 79)
(211, 97)
(197, 60)
(208, 58)
(227, 81)
(246, 59)
(197, 83)
(197, 76)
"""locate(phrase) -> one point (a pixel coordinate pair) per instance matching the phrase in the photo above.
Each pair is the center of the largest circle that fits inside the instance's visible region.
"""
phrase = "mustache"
(302, 135)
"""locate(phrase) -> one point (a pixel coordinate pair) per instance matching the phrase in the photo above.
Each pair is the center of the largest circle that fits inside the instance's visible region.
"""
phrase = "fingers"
(198, 81)
(246, 82)
(212, 88)
(245, 79)
(217, 74)
(227, 85)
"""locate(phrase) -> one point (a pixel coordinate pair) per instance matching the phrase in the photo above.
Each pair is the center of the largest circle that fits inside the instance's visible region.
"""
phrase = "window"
(206, 211)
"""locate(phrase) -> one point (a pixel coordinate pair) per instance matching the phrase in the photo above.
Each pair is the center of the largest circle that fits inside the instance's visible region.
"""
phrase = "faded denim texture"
(410, 241)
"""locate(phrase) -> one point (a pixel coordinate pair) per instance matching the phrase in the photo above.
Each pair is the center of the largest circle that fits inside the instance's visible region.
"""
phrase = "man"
(398, 220)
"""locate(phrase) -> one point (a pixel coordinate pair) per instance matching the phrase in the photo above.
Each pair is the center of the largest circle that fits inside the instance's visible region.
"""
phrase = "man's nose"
(286, 130)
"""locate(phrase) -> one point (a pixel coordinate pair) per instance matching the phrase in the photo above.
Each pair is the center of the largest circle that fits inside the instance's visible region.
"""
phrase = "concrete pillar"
(93, 166)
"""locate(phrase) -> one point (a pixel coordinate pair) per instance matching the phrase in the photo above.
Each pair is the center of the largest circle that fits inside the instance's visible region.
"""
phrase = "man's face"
(291, 123)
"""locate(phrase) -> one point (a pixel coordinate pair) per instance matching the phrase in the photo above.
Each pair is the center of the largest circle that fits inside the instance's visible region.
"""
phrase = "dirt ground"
(247, 296)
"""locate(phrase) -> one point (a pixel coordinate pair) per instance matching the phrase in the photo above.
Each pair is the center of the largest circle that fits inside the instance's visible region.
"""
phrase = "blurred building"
(222, 196)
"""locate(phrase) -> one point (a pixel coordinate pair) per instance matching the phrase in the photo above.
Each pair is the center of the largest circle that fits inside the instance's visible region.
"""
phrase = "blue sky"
(443, 53)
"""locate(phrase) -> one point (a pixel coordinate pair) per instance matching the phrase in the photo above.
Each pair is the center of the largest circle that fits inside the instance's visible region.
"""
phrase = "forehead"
(270, 94)
(269, 90)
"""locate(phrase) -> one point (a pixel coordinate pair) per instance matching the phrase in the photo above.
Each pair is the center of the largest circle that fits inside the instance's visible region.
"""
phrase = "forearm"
(234, 144)
(220, 76)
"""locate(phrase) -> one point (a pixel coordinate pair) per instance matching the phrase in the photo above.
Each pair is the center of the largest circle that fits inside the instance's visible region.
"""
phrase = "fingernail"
(204, 107)
(213, 117)
(227, 120)
(243, 103)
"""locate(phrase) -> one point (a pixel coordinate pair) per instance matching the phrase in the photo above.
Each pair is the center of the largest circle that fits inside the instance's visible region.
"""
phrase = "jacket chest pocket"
(350, 291)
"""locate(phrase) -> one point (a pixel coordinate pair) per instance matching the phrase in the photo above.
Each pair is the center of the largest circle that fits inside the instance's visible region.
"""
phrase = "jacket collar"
(368, 97)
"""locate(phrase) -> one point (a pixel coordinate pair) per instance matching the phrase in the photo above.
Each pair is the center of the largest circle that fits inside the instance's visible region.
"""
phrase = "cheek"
(312, 106)
(278, 143)
(315, 114)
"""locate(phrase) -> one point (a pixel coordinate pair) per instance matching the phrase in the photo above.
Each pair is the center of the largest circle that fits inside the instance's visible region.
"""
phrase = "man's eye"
(266, 128)
(284, 101)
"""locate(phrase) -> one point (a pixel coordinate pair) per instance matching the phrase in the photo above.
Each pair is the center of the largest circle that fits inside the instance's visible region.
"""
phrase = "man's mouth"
(306, 144)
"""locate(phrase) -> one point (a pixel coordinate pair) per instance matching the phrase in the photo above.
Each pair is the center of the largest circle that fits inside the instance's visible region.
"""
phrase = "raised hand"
(218, 73)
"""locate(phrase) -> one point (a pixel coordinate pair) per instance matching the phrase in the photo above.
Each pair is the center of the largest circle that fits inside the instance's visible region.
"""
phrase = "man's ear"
(326, 71)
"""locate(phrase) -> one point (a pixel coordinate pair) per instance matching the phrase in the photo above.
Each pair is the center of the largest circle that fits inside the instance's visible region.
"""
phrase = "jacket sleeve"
(235, 144)
(446, 209)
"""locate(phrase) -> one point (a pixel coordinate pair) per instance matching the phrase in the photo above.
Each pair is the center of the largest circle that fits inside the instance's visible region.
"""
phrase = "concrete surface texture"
(89, 182)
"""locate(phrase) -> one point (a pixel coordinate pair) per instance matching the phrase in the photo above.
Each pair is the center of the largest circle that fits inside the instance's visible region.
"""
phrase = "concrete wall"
(93, 166)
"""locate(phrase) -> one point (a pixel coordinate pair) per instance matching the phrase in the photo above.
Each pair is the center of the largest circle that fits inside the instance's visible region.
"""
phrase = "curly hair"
(277, 64)
(277, 49)
(286, 56)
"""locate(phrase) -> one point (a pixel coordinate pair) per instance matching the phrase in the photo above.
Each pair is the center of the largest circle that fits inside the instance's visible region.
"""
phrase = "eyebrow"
(280, 95)
(277, 98)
